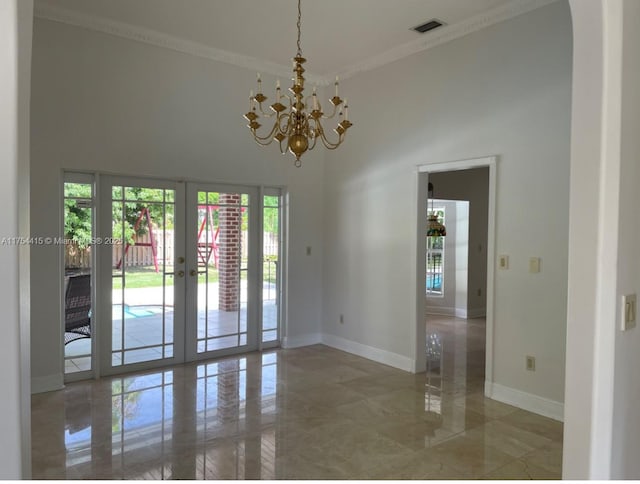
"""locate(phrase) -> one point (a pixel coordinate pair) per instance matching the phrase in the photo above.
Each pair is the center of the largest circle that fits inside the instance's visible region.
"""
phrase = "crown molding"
(166, 41)
(445, 34)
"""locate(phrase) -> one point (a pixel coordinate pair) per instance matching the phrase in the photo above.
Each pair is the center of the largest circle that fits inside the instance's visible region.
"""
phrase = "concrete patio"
(148, 329)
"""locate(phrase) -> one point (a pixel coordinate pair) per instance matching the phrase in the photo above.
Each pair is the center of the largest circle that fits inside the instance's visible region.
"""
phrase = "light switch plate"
(503, 262)
(534, 265)
(628, 310)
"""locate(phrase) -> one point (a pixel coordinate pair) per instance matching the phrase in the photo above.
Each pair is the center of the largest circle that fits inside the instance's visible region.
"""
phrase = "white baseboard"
(49, 383)
(526, 401)
(477, 313)
(376, 354)
(301, 340)
(461, 313)
(440, 311)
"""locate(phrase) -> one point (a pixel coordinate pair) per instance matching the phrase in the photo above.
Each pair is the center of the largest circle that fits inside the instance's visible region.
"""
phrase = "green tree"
(128, 206)
(77, 219)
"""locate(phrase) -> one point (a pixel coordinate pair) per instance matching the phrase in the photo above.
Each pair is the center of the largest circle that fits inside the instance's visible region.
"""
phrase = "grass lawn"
(147, 276)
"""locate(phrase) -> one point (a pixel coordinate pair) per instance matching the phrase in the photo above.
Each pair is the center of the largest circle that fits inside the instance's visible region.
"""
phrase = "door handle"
(193, 272)
(180, 273)
(180, 260)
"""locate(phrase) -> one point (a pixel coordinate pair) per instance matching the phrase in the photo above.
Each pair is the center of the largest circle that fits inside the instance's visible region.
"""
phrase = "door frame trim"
(100, 180)
(104, 263)
(191, 329)
(422, 180)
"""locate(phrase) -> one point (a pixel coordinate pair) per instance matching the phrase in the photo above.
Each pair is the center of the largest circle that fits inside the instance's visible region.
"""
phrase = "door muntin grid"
(78, 233)
(223, 263)
(142, 283)
(271, 265)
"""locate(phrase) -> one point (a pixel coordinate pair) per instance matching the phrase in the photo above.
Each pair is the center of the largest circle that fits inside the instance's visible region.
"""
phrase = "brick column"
(229, 245)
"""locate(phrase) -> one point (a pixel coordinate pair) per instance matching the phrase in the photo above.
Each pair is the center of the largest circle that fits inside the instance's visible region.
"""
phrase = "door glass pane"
(435, 258)
(270, 267)
(78, 234)
(222, 253)
(142, 274)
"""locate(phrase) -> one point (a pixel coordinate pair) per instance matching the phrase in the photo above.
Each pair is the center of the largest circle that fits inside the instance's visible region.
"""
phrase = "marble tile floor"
(306, 413)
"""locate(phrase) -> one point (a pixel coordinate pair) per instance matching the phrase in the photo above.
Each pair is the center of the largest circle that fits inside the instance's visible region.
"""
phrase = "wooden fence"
(76, 258)
(142, 255)
(138, 255)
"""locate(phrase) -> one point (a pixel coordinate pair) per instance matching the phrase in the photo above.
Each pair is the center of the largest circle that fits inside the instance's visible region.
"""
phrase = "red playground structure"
(207, 245)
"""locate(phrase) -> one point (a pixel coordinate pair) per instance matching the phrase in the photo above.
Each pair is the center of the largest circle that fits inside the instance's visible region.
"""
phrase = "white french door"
(142, 274)
(222, 288)
(187, 271)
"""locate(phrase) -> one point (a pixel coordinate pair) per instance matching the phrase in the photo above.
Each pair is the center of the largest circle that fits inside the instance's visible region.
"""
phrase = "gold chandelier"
(293, 127)
(435, 228)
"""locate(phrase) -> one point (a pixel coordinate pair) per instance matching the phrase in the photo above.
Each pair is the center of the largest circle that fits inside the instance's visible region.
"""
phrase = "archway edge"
(593, 238)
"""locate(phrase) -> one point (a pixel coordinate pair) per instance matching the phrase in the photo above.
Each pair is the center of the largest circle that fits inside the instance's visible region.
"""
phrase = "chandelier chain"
(299, 24)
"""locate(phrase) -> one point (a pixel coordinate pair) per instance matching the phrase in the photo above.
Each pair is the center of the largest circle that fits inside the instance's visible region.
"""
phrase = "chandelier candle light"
(293, 127)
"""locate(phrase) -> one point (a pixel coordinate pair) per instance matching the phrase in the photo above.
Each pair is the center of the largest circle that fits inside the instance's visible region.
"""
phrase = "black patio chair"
(77, 308)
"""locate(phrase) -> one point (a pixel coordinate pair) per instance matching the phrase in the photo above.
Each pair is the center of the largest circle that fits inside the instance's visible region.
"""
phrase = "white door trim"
(422, 181)
(253, 282)
(104, 264)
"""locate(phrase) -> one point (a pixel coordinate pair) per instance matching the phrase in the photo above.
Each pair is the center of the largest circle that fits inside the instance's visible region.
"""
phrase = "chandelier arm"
(283, 151)
(267, 114)
(287, 129)
(333, 114)
(313, 135)
(265, 140)
(282, 117)
(329, 144)
(313, 144)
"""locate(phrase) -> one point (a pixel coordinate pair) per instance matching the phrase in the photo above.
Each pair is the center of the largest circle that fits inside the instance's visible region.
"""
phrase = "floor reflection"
(311, 412)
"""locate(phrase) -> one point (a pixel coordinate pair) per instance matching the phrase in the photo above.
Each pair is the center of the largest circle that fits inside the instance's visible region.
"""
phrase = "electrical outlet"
(531, 363)
(342, 319)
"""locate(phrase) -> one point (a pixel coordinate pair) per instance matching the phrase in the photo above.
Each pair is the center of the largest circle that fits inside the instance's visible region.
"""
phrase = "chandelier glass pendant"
(295, 127)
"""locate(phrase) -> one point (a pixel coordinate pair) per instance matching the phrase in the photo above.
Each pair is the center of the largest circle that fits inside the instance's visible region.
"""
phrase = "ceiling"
(336, 34)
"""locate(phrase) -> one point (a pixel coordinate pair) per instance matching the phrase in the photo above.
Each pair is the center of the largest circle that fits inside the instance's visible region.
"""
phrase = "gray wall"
(505, 91)
(626, 417)
(15, 405)
(108, 104)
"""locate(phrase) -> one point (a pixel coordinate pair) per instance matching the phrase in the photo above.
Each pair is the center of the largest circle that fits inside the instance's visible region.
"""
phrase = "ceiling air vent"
(427, 26)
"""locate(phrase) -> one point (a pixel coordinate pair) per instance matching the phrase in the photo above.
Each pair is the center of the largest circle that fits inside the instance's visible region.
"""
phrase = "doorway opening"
(455, 272)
